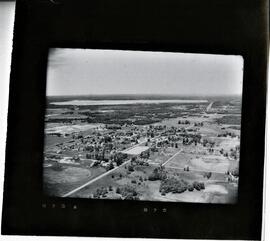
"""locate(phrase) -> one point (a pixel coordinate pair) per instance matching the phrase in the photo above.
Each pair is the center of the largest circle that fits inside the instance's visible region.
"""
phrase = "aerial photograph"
(142, 125)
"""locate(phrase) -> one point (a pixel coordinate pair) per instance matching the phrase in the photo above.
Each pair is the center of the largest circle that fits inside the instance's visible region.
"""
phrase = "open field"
(202, 163)
(62, 180)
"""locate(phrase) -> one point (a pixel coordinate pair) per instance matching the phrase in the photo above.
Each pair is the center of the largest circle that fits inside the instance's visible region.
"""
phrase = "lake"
(125, 102)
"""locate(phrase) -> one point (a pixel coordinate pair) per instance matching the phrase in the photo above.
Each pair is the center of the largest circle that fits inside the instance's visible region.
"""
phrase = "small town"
(168, 152)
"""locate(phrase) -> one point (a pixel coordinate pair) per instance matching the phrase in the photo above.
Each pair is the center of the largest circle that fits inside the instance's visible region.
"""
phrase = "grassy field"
(59, 182)
(163, 155)
(205, 163)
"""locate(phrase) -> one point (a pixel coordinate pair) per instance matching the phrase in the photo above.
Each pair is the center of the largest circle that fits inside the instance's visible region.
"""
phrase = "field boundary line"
(171, 158)
(194, 170)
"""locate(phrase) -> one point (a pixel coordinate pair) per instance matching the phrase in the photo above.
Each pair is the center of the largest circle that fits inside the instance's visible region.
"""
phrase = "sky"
(101, 72)
(7, 10)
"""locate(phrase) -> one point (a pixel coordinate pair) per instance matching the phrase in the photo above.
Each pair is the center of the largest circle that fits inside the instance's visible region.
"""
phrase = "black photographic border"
(190, 26)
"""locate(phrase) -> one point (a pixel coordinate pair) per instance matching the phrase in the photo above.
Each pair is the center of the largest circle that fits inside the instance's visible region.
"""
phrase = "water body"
(68, 129)
(125, 102)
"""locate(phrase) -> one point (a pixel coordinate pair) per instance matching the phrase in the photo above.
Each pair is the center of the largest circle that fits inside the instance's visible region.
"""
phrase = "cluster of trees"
(172, 137)
(119, 158)
(190, 187)
(198, 185)
(107, 139)
(198, 124)
(172, 185)
(154, 149)
(55, 134)
(113, 127)
(150, 134)
(163, 143)
(140, 181)
(207, 175)
(117, 176)
(222, 152)
(110, 166)
(128, 192)
(145, 154)
(96, 153)
(234, 153)
(184, 122)
(186, 141)
(196, 138)
(130, 168)
(209, 143)
(234, 172)
(140, 162)
(191, 138)
(159, 173)
(159, 127)
(101, 192)
(89, 148)
(231, 134)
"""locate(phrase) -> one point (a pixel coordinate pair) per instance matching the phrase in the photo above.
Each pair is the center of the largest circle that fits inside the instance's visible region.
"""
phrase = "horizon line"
(142, 94)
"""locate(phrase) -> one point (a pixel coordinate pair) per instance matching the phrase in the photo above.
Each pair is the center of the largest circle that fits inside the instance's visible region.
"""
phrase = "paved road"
(208, 108)
(131, 147)
(141, 143)
(95, 179)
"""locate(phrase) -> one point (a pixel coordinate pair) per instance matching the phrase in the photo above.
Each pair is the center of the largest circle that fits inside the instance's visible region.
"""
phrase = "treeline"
(172, 184)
